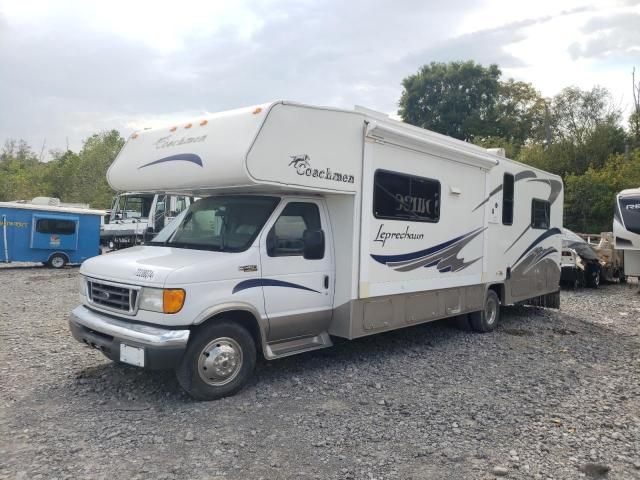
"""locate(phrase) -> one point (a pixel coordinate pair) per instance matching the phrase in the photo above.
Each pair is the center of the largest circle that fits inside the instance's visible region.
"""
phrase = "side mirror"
(271, 243)
(313, 244)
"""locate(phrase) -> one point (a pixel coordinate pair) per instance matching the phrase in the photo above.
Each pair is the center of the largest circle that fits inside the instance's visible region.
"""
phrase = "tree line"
(578, 134)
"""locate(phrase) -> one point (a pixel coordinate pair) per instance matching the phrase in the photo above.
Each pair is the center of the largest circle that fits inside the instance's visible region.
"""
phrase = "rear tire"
(218, 361)
(487, 319)
(57, 260)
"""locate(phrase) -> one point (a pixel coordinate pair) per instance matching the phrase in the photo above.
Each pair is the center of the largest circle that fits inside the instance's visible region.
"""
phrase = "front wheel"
(594, 278)
(486, 320)
(218, 362)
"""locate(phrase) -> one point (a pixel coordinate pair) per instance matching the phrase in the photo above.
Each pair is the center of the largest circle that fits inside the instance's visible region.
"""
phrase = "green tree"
(455, 99)
(519, 113)
(575, 113)
(72, 177)
(589, 198)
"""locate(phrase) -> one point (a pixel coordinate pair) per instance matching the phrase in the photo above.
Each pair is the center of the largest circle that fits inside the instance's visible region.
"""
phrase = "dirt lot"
(549, 395)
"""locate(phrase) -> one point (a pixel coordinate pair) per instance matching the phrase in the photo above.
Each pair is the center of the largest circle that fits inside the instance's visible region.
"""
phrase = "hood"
(152, 266)
(582, 248)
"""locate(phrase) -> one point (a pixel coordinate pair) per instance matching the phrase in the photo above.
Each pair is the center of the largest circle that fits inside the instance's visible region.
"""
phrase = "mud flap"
(550, 300)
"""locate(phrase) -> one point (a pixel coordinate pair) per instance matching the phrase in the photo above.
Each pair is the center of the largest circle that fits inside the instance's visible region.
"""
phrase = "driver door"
(298, 292)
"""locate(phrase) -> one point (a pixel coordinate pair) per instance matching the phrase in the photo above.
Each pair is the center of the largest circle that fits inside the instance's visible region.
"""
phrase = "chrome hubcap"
(490, 311)
(57, 262)
(220, 361)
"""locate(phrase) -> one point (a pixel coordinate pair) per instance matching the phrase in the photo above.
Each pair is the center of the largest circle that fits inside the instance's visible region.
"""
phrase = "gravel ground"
(549, 395)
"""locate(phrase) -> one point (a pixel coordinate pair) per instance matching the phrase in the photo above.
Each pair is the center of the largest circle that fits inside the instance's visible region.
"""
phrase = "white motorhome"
(626, 229)
(137, 216)
(315, 223)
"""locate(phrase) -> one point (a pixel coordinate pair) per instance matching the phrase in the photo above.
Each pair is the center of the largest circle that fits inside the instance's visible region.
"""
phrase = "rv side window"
(397, 196)
(286, 236)
(540, 213)
(54, 226)
(507, 199)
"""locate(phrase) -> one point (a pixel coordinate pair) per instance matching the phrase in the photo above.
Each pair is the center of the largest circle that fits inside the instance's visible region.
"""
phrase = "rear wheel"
(218, 362)
(57, 260)
(486, 320)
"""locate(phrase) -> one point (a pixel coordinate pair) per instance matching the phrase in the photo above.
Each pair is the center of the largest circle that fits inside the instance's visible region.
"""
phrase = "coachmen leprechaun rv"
(313, 223)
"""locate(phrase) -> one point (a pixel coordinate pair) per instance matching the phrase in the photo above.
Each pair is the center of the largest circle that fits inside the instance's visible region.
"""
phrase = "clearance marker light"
(204, 122)
(257, 110)
(134, 135)
(188, 125)
(173, 129)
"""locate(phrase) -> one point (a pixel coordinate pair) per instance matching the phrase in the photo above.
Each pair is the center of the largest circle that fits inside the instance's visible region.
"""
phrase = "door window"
(286, 235)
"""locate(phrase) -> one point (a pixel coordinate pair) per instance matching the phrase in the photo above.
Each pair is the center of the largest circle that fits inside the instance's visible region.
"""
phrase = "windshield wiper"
(194, 246)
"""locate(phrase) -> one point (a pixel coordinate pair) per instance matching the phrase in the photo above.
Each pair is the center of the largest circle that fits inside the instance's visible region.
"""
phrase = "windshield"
(131, 206)
(630, 209)
(227, 223)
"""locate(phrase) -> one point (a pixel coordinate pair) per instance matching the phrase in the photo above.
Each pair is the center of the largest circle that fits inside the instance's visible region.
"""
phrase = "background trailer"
(55, 235)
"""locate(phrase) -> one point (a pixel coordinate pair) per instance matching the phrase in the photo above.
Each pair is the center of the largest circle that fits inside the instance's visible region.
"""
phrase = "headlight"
(168, 300)
(151, 299)
(82, 286)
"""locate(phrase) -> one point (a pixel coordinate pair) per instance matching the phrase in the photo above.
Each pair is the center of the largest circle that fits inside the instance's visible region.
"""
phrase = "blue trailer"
(53, 235)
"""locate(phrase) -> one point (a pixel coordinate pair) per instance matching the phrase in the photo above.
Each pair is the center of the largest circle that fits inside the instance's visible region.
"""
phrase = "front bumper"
(163, 348)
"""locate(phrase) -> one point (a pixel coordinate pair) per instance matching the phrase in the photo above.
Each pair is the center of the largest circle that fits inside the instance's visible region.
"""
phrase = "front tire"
(218, 362)
(594, 278)
(487, 319)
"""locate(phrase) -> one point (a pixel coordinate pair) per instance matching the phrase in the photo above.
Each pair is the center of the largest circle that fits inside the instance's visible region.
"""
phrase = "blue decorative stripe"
(268, 282)
(421, 253)
(549, 233)
(180, 157)
(546, 254)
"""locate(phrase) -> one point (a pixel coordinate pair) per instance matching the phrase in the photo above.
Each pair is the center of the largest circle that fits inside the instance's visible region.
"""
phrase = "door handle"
(326, 282)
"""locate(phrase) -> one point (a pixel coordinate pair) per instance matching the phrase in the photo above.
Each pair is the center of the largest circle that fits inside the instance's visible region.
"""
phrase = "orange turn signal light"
(257, 110)
(172, 300)
(204, 122)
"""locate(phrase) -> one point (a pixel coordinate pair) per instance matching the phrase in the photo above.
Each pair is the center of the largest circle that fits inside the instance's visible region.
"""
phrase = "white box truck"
(136, 217)
(313, 223)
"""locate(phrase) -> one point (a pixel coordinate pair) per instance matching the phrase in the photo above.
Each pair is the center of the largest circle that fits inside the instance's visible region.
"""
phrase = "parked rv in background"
(317, 223)
(48, 231)
(626, 229)
(136, 217)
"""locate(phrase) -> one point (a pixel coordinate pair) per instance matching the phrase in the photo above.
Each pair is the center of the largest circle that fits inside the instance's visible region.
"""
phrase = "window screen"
(540, 213)
(54, 226)
(288, 230)
(507, 199)
(397, 196)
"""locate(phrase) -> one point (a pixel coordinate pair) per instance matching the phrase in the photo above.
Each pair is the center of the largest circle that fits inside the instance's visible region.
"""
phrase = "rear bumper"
(163, 348)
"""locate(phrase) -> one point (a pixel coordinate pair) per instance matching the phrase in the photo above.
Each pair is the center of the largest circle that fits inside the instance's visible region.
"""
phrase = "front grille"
(121, 298)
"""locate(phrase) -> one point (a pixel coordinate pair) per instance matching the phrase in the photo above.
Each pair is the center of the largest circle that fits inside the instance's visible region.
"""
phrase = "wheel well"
(59, 253)
(499, 289)
(244, 318)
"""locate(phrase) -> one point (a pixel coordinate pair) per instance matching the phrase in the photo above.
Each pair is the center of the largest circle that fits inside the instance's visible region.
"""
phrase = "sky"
(71, 68)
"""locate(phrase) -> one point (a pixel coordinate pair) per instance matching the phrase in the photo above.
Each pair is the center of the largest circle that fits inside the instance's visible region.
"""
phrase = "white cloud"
(71, 68)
